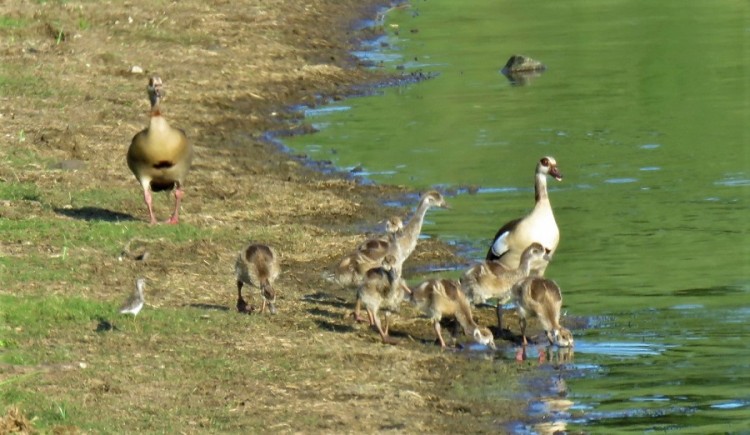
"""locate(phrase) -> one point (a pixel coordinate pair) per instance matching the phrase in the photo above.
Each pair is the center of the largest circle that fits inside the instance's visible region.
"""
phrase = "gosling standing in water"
(491, 279)
(541, 297)
(258, 266)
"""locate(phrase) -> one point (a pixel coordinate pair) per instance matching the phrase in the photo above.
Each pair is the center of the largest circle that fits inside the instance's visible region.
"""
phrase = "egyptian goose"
(134, 303)
(490, 279)
(382, 288)
(351, 269)
(160, 155)
(400, 242)
(538, 226)
(541, 297)
(443, 297)
(258, 266)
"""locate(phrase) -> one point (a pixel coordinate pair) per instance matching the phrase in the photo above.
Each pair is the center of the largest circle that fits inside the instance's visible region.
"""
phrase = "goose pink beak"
(555, 173)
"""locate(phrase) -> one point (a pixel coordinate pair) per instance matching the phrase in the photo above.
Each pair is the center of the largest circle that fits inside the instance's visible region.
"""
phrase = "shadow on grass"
(209, 307)
(326, 299)
(325, 313)
(104, 325)
(94, 214)
(334, 327)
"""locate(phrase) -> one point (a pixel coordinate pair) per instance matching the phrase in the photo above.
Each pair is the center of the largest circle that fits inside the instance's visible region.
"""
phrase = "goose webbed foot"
(241, 305)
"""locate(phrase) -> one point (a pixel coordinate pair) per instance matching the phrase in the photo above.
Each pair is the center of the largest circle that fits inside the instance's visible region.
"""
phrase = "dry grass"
(69, 207)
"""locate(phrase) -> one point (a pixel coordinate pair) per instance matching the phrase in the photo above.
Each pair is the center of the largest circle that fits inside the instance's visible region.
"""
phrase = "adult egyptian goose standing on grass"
(437, 298)
(490, 279)
(258, 266)
(539, 226)
(541, 297)
(160, 155)
(382, 288)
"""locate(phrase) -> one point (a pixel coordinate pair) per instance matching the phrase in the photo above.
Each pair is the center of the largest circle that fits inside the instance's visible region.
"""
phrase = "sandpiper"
(135, 301)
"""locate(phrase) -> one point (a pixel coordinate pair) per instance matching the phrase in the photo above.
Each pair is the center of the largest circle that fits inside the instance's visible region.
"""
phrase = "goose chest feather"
(160, 151)
(539, 226)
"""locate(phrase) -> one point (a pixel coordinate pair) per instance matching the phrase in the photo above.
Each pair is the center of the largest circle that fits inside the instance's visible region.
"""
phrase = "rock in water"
(519, 63)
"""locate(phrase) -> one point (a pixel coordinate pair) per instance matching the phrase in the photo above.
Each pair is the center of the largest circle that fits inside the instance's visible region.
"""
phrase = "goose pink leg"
(178, 194)
(150, 204)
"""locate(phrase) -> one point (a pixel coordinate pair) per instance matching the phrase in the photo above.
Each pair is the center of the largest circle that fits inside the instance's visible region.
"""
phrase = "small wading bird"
(160, 155)
(539, 226)
(258, 266)
(134, 303)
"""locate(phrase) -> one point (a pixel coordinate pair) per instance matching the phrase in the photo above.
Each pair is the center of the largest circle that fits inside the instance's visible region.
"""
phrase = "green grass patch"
(12, 23)
(23, 85)
(83, 24)
(34, 321)
(19, 157)
(38, 269)
(19, 191)
(111, 236)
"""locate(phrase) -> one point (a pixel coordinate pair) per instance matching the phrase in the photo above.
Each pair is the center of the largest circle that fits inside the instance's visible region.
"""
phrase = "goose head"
(269, 296)
(561, 337)
(536, 256)
(484, 336)
(433, 198)
(389, 262)
(155, 90)
(394, 225)
(548, 166)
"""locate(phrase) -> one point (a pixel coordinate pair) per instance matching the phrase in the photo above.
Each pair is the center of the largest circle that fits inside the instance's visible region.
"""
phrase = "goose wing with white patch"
(500, 245)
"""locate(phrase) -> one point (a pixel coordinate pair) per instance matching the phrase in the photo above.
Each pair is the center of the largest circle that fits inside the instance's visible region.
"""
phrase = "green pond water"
(645, 105)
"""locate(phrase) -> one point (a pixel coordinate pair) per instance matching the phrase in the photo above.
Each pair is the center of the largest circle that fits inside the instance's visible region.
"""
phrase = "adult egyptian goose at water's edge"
(539, 226)
(160, 155)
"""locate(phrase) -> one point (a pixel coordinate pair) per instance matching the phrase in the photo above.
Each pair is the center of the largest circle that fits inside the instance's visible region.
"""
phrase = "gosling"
(351, 270)
(258, 266)
(443, 297)
(541, 297)
(490, 279)
(384, 289)
(401, 242)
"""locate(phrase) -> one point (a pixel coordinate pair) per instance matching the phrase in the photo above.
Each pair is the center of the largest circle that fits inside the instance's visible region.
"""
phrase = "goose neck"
(464, 318)
(411, 231)
(540, 188)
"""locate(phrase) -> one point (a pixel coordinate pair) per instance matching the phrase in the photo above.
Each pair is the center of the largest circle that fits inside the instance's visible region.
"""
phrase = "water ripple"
(620, 348)
(620, 180)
